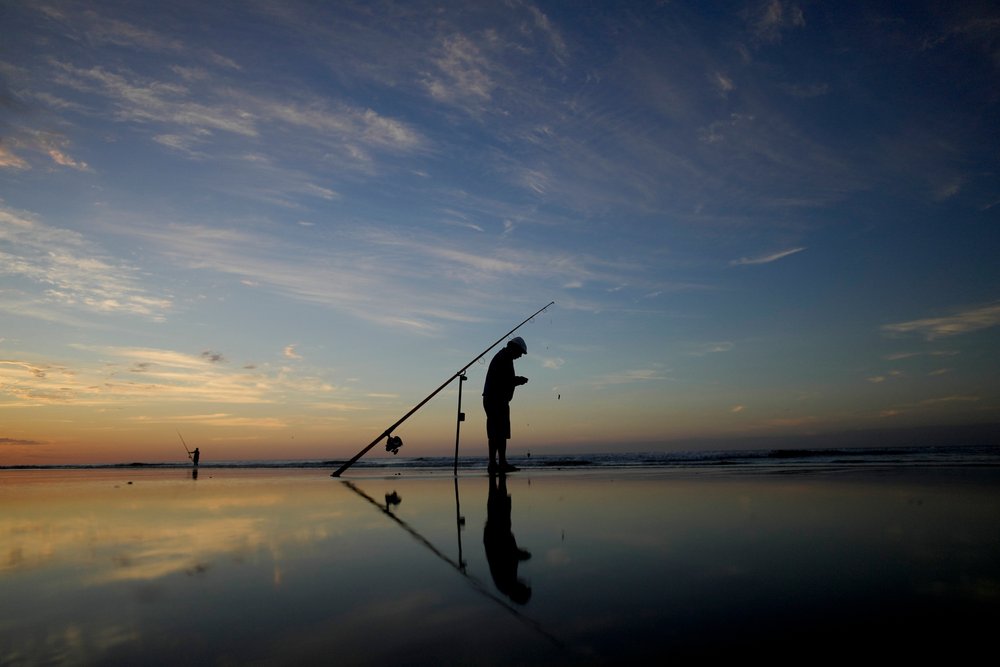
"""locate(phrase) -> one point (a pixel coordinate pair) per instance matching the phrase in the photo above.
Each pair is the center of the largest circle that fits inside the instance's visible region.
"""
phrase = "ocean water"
(753, 460)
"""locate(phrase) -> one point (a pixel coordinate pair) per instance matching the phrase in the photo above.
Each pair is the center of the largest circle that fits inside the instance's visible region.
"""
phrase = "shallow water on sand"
(293, 567)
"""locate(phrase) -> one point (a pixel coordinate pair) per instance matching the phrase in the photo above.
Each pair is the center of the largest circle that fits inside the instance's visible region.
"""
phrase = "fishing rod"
(184, 443)
(460, 566)
(394, 442)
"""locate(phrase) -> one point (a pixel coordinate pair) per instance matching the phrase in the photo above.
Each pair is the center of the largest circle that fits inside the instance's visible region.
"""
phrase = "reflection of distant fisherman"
(195, 455)
(502, 551)
(498, 390)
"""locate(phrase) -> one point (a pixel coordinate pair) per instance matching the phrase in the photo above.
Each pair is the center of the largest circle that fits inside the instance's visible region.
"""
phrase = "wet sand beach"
(248, 566)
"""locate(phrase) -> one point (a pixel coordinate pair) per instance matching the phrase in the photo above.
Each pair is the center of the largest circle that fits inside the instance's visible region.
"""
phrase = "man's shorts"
(497, 418)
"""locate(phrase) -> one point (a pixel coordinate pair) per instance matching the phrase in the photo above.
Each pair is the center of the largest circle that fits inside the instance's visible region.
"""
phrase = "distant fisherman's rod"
(388, 432)
(184, 443)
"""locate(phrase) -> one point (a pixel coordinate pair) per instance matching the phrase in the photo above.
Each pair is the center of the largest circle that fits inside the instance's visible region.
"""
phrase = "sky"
(274, 227)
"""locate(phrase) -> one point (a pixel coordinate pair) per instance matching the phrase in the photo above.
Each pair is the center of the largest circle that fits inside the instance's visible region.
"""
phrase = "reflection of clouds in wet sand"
(150, 533)
(129, 550)
(179, 548)
(78, 644)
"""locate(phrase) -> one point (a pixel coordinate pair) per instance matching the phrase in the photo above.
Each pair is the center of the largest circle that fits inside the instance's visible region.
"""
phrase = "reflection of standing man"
(502, 551)
(498, 390)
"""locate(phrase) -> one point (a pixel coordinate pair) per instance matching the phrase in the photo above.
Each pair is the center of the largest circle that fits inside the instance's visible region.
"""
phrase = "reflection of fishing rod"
(394, 442)
(184, 443)
(459, 566)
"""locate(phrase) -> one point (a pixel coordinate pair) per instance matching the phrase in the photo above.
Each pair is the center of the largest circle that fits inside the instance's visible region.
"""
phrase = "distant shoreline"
(982, 455)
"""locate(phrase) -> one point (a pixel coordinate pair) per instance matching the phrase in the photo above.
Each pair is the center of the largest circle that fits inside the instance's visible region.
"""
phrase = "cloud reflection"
(120, 531)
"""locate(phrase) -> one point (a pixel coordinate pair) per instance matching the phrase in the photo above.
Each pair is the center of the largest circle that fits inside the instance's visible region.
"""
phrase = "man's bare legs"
(498, 455)
(492, 444)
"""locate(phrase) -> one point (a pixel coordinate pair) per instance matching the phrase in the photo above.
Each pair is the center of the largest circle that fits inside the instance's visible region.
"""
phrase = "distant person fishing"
(195, 456)
(498, 390)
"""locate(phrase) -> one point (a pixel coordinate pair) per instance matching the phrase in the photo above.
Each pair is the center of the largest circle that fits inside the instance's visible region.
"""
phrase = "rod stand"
(461, 418)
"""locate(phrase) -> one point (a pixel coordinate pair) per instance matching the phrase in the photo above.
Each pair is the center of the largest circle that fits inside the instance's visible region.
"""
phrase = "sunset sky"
(274, 227)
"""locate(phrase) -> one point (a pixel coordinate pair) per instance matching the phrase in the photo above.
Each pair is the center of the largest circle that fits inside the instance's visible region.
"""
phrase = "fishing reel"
(393, 444)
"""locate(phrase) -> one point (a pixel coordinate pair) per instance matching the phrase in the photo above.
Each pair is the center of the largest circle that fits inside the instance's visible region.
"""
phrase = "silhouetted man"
(498, 390)
(195, 455)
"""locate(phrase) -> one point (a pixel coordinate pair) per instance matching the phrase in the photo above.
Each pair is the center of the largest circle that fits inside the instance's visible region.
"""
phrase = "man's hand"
(518, 380)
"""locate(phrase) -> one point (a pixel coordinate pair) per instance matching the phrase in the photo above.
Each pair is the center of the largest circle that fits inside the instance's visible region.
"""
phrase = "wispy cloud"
(557, 42)
(723, 83)
(96, 29)
(379, 261)
(71, 271)
(765, 259)
(898, 356)
(484, 262)
(471, 69)
(791, 422)
(631, 376)
(463, 73)
(17, 442)
(966, 321)
(275, 264)
(8, 160)
(702, 349)
(773, 17)
(190, 112)
(957, 398)
(359, 125)
(29, 383)
(139, 375)
(879, 379)
(142, 99)
(116, 32)
(553, 363)
(225, 419)
(55, 147)
(61, 158)
(37, 370)
(929, 404)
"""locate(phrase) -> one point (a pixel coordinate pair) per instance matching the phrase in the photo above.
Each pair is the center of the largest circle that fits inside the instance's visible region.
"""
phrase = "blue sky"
(276, 226)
